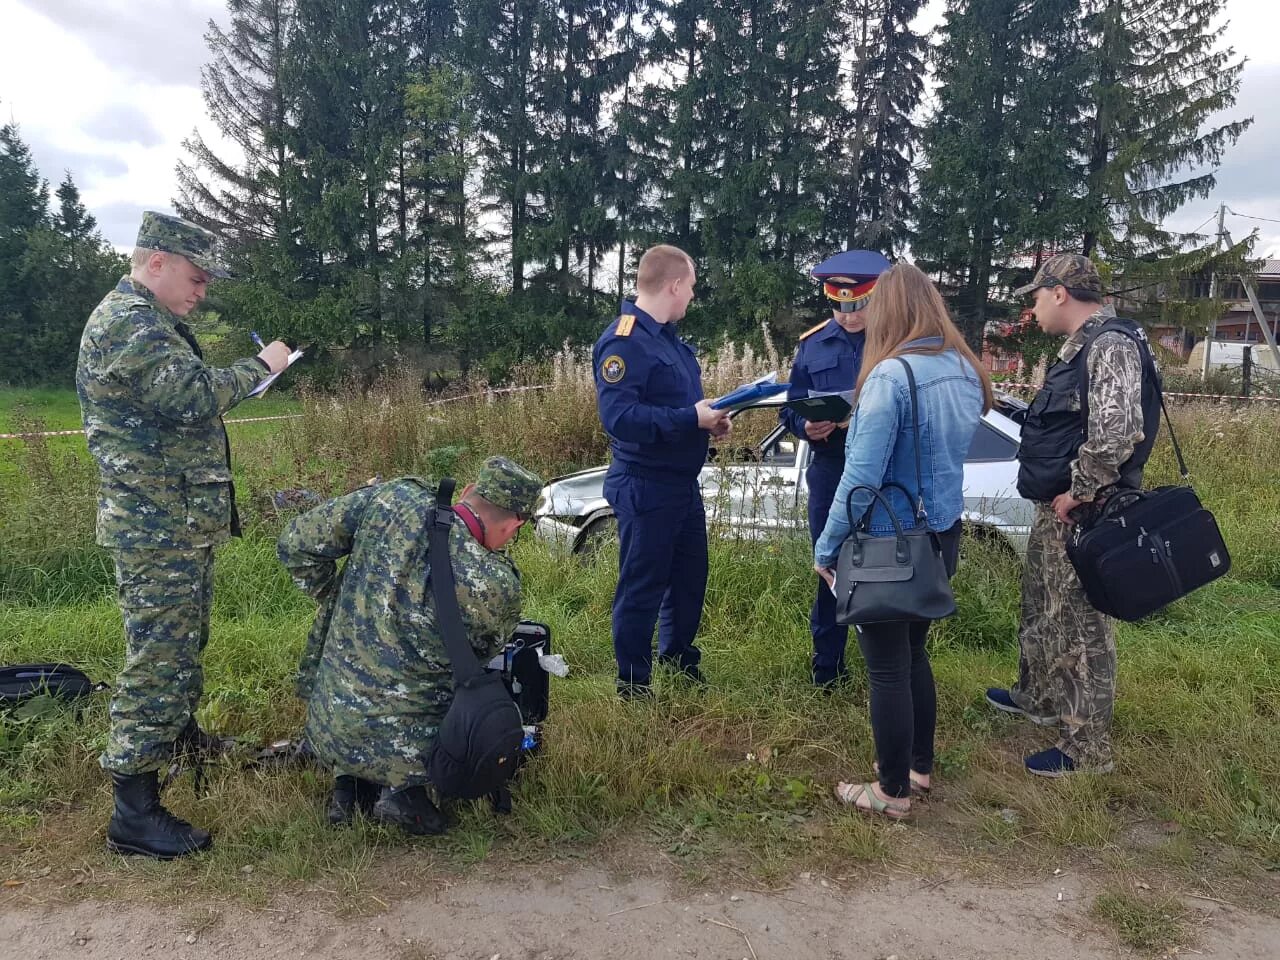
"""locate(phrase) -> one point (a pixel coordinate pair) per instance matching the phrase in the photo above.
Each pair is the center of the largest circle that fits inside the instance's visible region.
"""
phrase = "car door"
(752, 487)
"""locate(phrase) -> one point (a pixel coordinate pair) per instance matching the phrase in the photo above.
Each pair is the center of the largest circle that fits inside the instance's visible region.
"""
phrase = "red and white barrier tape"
(547, 386)
(74, 433)
(292, 416)
(1004, 384)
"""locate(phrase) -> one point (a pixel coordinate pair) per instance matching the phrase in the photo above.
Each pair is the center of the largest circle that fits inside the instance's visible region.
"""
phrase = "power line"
(1249, 217)
(1206, 220)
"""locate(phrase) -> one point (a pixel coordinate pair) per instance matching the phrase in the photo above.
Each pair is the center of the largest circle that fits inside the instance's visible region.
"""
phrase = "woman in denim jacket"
(906, 318)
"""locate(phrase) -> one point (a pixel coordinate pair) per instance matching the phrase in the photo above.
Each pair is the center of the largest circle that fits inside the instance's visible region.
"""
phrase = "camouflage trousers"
(165, 596)
(1067, 655)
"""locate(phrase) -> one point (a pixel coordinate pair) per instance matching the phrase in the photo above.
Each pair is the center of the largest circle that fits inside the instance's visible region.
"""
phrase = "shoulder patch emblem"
(613, 369)
(812, 330)
(625, 324)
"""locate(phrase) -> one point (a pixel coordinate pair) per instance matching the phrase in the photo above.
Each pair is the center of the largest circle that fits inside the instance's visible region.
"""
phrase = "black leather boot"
(410, 809)
(349, 795)
(140, 824)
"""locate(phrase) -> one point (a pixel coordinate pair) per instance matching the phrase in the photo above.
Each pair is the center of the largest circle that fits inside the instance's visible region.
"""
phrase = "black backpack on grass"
(60, 681)
(477, 748)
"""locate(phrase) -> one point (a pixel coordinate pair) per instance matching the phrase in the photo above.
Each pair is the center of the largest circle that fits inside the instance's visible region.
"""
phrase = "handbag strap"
(921, 514)
(1168, 422)
(1177, 448)
(462, 659)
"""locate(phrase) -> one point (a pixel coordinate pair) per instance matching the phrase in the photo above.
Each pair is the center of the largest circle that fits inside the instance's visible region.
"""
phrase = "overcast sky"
(108, 89)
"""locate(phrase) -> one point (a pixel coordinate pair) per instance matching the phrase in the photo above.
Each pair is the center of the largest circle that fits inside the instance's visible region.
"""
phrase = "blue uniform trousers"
(829, 637)
(662, 572)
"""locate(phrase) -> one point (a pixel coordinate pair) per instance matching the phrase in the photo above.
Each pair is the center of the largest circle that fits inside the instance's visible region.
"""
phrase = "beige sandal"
(918, 786)
(854, 794)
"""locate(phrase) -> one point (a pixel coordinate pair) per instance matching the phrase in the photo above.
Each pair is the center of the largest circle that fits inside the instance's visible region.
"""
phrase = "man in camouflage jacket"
(152, 412)
(375, 668)
(1088, 433)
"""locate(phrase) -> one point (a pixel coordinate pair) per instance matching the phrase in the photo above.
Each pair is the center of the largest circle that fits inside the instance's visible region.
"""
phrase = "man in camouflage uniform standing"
(152, 413)
(377, 671)
(1088, 434)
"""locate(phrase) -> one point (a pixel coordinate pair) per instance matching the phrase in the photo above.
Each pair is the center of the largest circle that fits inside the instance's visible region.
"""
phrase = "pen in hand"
(257, 340)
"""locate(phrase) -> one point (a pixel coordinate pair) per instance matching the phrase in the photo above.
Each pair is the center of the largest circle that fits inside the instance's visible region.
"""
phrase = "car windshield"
(757, 438)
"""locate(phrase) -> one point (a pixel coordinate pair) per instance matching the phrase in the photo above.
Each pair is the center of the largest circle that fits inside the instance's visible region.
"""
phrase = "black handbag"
(902, 577)
(1147, 548)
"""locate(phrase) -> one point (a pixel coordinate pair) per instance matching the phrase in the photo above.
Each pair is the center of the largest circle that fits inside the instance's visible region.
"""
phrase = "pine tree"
(876, 141)
(1000, 154)
(70, 267)
(24, 210)
(72, 220)
(346, 69)
(24, 206)
(1158, 73)
(246, 199)
(499, 39)
(581, 70)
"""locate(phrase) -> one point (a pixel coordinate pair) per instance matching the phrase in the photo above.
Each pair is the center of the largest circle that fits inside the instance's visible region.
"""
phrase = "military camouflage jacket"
(152, 412)
(382, 682)
(1115, 406)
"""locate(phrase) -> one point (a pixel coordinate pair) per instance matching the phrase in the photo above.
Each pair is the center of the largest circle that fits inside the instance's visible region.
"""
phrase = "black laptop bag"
(1148, 548)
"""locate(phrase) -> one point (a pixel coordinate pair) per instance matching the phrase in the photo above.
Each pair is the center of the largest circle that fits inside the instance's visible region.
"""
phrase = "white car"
(758, 489)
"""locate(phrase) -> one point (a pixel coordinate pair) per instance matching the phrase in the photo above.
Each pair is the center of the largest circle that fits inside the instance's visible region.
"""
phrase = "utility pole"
(1213, 295)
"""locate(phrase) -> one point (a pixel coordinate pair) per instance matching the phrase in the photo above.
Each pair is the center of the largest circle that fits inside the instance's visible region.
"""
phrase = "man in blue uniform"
(827, 361)
(649, 394)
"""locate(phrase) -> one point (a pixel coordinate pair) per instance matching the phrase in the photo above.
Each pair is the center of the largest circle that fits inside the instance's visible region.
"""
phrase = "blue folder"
(746, 395)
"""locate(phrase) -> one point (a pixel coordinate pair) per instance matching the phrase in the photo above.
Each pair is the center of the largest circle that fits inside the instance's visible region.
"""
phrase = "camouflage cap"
(170, 234)
(1071, 270)
(510, 486)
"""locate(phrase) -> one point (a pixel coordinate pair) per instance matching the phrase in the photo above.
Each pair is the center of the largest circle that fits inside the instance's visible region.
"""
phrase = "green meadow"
(734, 777)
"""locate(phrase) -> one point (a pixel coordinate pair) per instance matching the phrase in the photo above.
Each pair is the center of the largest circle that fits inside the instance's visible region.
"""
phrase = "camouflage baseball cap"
(1070, 270)
(170, 234)
(510, 486)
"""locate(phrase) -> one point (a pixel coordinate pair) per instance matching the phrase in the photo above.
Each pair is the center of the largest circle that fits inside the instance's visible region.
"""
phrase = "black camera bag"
(477, 748)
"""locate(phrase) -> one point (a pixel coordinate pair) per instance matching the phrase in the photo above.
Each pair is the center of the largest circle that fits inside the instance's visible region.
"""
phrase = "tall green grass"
(740, 772)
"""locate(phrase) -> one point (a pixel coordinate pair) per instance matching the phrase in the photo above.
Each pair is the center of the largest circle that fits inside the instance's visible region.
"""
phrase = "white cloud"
(110, 88)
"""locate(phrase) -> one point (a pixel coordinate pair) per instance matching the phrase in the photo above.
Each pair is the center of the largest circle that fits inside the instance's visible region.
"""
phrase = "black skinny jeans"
(904, 701)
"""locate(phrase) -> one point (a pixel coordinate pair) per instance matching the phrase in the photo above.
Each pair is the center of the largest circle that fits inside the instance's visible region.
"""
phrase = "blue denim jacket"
(881, 448)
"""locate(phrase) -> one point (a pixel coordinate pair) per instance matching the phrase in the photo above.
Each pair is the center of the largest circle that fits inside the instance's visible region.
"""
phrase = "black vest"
(1057, 422)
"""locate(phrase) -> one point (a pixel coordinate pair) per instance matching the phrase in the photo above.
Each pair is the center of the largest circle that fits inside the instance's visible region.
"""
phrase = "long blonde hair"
(906, 306)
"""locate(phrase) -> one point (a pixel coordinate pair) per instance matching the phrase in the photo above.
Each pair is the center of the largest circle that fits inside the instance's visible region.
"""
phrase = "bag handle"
(462, 659)
(891, 485)
(921, 516)
(903, 550)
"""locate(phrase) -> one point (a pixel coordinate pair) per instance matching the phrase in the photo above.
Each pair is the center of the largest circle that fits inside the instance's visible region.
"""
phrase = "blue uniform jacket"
(826, 361)
(647, 382)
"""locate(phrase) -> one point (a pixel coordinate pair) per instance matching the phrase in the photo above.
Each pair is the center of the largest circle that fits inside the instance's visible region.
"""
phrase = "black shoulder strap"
(921, 515)
(1144, 350)
(444, 589)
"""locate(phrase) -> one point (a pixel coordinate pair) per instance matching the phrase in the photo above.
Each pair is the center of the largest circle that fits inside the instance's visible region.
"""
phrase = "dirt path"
(588, 914)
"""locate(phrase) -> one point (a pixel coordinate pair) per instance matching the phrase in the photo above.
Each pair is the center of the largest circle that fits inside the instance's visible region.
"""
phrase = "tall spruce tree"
(1000, 144)
(347, 70)
(877, 136)
(24, 210)
(1159, 71)
(499, 41)
(69, 267)
(246, 198)
(581, 70)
